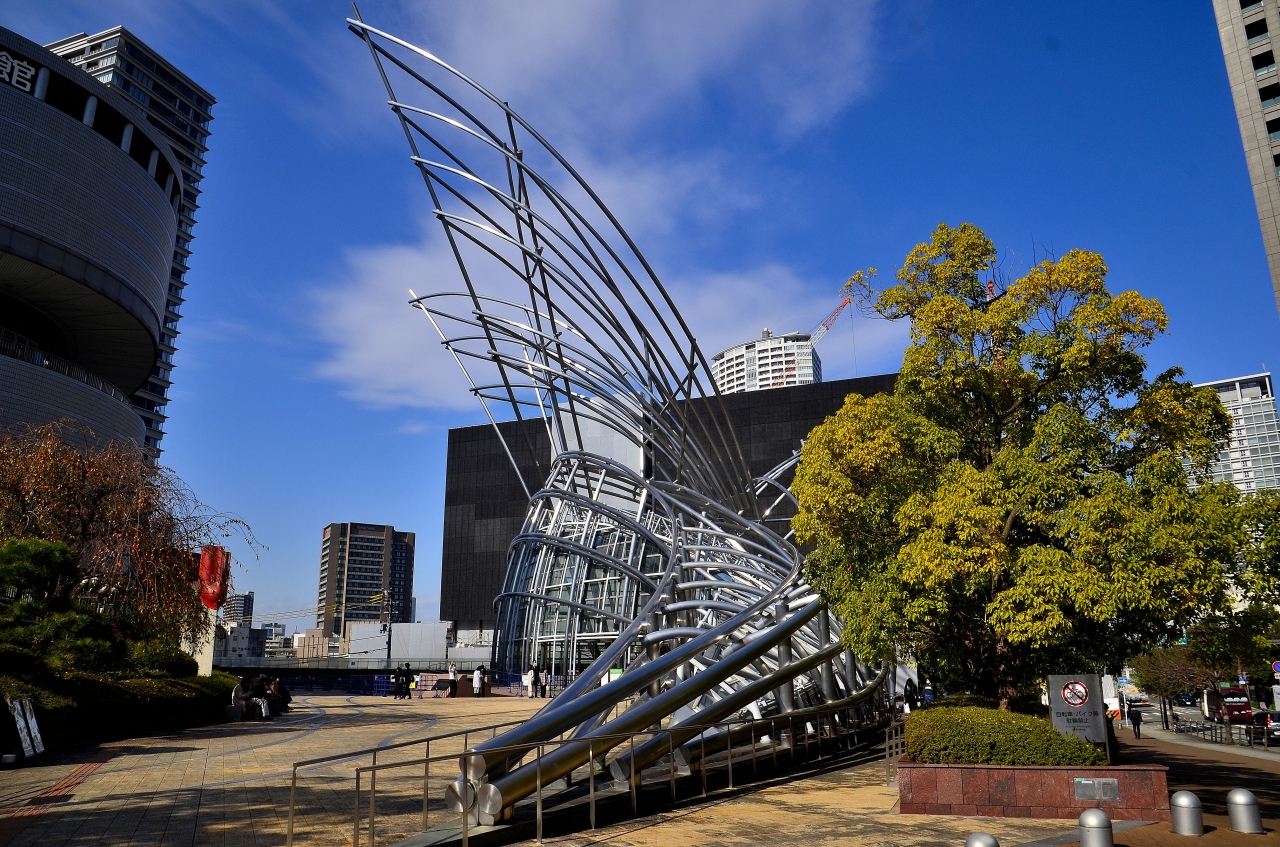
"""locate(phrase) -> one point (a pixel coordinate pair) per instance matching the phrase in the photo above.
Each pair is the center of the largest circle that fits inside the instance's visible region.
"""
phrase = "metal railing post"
(539, 769)
(632, 741)
(355, 837)
(591, 770)
(293, 790)
(426, 783)
(817, 727)
(755, 770)
(671, 751)
(728, 747)
(773, 737)
(373, 796)
(466, 818)
(702, 763)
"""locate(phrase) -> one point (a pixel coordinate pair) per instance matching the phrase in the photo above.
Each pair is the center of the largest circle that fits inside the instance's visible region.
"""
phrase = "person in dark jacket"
(1135, 720)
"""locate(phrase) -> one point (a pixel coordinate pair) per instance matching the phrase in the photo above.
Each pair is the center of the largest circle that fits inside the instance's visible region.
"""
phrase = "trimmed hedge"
(975, 736)
(79, 709)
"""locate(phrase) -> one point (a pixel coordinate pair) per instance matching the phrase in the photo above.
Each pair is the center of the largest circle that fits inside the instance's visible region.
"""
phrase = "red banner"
(215, 573)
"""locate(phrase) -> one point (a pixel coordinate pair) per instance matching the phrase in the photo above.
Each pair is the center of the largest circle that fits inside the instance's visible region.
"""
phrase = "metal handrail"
(354, 754)
(807, 717)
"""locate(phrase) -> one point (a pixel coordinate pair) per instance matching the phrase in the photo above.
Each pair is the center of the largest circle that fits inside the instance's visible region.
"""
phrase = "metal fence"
(1246, 735)
(411, 793)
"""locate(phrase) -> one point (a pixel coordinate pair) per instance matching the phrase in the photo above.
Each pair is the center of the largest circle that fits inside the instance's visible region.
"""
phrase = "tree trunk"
(1006, 673)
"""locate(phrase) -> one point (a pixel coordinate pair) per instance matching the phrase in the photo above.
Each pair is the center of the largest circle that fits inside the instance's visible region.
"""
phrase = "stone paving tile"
(850, 807)
(229, 785)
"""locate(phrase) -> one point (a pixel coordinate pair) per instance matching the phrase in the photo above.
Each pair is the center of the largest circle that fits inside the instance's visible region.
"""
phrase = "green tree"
(1026, 490)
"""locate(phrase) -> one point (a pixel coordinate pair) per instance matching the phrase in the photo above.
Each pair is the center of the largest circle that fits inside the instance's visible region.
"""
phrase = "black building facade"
(485, 502)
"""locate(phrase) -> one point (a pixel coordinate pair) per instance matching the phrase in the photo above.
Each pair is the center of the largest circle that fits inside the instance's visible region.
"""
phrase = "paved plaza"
(229, 785)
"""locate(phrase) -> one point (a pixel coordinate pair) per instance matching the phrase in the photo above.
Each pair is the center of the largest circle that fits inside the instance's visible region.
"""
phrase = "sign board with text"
(1077, 707)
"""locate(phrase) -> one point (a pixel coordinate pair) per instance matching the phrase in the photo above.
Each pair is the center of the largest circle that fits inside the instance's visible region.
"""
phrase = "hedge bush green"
(78, 709)
(975, 736)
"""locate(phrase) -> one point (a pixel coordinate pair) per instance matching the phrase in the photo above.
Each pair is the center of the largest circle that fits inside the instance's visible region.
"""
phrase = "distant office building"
(358, 563)
(173, 106)
(485, 502)
(90, 193)
(239, 609)
(240, 642)
(1252, 460)
(273, 630)
(1246, 29)
(770, 361)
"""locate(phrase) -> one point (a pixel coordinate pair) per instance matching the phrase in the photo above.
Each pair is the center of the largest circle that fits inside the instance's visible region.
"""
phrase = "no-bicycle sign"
(1076, 703)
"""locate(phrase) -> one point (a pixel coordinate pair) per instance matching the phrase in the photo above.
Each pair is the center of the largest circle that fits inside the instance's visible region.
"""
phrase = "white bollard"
(981, 839)
(1095, 829)
(1186, 816)
(1242, 810)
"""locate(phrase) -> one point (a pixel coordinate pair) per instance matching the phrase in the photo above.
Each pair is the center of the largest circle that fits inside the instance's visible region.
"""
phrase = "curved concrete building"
(88, 218)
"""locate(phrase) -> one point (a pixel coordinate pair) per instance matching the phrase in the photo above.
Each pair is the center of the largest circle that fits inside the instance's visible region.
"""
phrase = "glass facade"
(1252, 459)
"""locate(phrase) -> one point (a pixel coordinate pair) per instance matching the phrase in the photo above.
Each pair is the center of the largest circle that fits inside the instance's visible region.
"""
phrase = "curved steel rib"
(651, 569)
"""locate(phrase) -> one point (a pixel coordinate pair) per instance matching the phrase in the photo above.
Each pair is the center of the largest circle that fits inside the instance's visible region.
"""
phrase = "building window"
(1270, 95)
(1256, 31)
(1264, 63)
(1273, 130)
(1250, 6)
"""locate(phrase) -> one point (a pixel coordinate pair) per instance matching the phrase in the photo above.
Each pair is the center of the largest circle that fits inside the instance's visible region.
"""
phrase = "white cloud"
(614, 85)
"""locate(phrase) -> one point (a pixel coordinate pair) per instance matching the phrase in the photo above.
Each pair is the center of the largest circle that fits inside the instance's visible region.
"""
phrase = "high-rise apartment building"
(89, 198)
(239, 609)
(360, 563)
(1251, 461)
(770, 361)
(1246, 28)
(181, 111)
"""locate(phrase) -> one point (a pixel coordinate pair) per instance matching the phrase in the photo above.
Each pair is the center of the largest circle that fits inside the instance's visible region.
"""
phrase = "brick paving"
(229, 785)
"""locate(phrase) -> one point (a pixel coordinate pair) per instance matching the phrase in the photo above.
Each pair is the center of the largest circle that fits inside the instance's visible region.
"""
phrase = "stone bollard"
(1185, 814)
(1095, 829)
(981, 839)
(1242, 810)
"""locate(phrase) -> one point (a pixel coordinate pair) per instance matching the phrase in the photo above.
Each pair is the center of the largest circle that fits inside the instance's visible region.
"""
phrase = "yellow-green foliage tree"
(1021, 503)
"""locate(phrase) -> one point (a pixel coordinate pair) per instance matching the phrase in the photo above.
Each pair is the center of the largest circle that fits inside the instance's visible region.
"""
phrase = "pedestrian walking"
(453, 680)
(1135, 720)
(535, 674)
(542, 683)
(477, 683)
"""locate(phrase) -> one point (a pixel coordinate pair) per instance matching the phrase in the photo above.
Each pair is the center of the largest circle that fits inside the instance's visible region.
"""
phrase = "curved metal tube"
(647, 533)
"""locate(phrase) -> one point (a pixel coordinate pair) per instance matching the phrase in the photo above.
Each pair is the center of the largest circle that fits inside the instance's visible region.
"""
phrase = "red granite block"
(1067, 812)
(1017, 811)
(1027, 787)
(937, 808)
(975, 788)
(1044, 811)
(1002, 787)
(911, 808)
(924, 785)
(965, 809)
(949, 786)
(991, 811)
(1058, 788)
(1136, 789)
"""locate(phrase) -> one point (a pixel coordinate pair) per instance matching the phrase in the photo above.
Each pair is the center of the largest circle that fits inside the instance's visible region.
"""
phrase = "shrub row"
(79, 709)
(970, 735)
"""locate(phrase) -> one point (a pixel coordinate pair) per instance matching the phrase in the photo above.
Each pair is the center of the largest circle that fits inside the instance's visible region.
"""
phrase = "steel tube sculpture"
(652, 568)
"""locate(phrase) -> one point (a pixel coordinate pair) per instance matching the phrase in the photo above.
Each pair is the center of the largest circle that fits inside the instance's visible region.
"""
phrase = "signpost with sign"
(1076, 703)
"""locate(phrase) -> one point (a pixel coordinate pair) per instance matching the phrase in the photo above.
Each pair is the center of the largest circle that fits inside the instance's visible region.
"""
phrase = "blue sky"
(759, 153)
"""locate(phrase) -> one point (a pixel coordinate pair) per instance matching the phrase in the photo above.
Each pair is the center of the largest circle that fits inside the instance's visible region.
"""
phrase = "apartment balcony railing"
(35, 356)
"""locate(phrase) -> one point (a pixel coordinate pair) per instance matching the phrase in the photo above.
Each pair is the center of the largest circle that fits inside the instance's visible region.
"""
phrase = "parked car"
(1265, 728)
(1184, 700)
(1226, 705)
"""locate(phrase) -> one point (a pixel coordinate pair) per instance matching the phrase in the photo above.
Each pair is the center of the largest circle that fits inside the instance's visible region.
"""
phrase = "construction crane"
(814, 337)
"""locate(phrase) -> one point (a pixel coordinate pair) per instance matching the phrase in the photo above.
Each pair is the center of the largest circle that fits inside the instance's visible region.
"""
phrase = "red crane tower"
(814, 337)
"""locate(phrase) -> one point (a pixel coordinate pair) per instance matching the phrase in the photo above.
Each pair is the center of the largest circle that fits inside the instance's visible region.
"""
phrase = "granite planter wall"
(1139, 792)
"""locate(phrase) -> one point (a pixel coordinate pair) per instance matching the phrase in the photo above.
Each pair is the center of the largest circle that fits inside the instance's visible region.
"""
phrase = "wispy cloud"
(616, 87)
